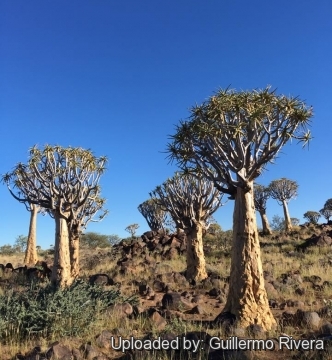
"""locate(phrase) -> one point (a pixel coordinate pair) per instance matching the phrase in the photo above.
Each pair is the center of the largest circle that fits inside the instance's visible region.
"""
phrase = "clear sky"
(116, 76)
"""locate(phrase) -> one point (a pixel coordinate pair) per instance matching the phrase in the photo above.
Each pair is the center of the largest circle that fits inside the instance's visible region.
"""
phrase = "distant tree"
(93, 240)
(328, 204)
(21, 243)
(277, 223)
(312, 216)
(261, 194)
(294, 221)
(191, 200)
(238, 134)
(38, 248)
(114, 239)
(132, 229)
(7, 250)
(153, 214)
(326, 213)
(21, 185)
(60, 180)
(214, 229)
(283, 190)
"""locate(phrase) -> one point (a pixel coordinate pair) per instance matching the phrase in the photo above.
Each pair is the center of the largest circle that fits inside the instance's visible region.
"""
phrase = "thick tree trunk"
(265, 223)
(74, 241)
(247, 298)
(196, 268)
(31, 256)
(61, 272)
(288, 223)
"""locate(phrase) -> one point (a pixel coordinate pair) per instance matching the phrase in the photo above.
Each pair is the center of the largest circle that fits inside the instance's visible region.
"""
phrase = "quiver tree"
(283, 190)
(312, 216)
(91, 211)
(237, 134)
(60, 180)
(190, 200)
(326, 213)
(132, 228)
(31, 256)
(153, 214)
(328, 204)
(261, 194)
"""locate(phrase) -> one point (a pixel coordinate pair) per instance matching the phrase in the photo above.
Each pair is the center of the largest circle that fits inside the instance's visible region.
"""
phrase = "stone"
(90, 352)
(122, 310)
(158, 286)
(100, 279)
(104, 339)
(326, 328)
(198, 309)
(172, 254)
(309, 319)
(158, 321)
(59, 352)
(171, 301)
(214, 292)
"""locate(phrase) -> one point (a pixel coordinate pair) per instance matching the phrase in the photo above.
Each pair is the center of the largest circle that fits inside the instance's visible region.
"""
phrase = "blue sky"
(116, 76)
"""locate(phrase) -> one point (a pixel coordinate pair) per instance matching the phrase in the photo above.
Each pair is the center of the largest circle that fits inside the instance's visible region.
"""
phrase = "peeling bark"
(61, 272)
(265, 223)
(31, 256)
(247, 299)
(196, 268)
(288, 223)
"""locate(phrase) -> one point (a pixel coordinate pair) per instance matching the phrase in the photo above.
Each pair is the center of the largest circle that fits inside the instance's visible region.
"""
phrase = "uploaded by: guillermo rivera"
(216, 343)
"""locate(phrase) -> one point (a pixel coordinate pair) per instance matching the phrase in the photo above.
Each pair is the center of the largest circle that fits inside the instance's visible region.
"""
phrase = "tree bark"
(247, 298)
(74, 241)
(288, 223)
(61, 272)
(196, 268)
(265, 223)
(31, 256)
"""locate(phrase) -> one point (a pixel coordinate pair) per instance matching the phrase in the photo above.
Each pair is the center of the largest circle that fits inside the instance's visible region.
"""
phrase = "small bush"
(7, 250)
(50, 312)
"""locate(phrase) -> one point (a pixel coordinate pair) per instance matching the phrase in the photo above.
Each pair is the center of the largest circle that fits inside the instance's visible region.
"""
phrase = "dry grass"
(279, 256)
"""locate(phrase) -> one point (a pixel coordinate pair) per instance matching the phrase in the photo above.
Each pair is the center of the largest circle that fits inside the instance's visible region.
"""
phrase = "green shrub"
(48, 311)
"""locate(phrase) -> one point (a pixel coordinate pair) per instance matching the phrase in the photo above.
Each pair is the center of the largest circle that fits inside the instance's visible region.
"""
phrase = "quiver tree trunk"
(288, 223)
(247, 298)
(196, 268)
(74, 241)
(31, 256)
(61, 272)
(265, 223)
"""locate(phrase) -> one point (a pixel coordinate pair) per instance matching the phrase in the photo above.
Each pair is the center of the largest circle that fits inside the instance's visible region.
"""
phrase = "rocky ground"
(297, 270)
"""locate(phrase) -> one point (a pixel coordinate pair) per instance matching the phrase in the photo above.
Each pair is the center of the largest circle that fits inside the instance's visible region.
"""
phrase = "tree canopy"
(237, 134)
(93, 240)
(153, 214)
(326, 213)
(190, 199)
(312, 216)
(283, 190)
